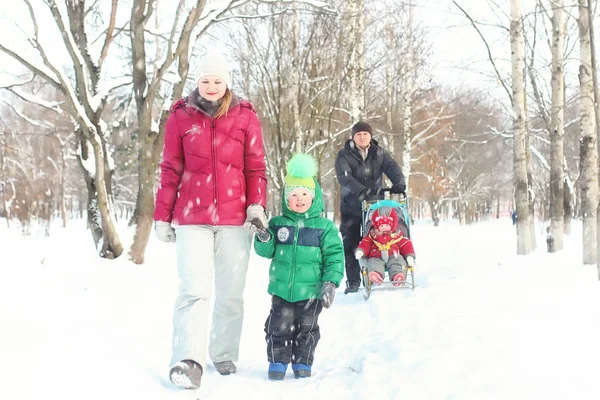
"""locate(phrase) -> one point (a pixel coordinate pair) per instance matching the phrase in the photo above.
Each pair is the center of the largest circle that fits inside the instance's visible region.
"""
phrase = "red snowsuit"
(390, 243)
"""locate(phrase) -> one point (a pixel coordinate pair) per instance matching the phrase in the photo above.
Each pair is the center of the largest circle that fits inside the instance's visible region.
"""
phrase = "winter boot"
(277, 371)
(375, 277)
(301, 371)
(186, 374)
(352, 287)
(225, 367)
(398, 279)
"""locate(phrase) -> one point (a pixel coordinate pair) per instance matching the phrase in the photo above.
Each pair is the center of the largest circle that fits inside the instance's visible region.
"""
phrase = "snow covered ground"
(483, 323)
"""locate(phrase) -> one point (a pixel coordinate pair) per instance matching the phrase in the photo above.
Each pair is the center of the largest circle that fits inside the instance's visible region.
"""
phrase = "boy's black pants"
(293, 331)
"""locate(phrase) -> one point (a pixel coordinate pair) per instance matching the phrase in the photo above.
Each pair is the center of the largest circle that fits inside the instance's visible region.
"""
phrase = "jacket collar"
(353, 148)
(191, 101)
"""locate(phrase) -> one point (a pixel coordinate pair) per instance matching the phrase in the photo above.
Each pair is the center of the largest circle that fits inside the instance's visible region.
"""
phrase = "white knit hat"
(214, 64)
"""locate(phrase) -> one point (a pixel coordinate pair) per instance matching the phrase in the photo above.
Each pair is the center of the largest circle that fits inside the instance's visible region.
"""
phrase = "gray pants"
(203, 252)
(394, 264)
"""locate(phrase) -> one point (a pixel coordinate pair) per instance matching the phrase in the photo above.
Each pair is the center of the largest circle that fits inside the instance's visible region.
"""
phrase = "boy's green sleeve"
(333, 255)
(265, 249)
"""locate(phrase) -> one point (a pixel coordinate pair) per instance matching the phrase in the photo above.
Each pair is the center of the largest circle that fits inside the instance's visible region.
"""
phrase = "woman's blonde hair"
(225, 104)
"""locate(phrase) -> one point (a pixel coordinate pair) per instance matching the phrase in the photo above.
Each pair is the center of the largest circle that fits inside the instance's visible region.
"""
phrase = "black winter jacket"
(362, 179)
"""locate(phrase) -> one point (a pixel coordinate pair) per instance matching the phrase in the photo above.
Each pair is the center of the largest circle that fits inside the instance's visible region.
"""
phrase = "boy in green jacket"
(307, 266)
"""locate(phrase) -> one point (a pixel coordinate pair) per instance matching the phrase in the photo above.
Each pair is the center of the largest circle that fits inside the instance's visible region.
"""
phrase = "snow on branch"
(79, 63)
(316, 144)
(33, 66)
(540, 157)
(41, 124)
(30, 98)
(314, 3)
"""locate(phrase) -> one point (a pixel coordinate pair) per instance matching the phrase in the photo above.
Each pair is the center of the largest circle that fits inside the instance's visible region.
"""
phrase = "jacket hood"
(316, 208)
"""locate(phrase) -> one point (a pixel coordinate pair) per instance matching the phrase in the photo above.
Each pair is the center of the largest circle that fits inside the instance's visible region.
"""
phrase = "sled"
(401, 208)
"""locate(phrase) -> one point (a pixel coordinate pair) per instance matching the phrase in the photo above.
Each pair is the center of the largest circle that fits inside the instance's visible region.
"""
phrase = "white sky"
(482, 324)
(460, 56)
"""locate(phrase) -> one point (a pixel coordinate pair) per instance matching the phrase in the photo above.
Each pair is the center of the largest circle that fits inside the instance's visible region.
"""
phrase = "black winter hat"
(361, 126)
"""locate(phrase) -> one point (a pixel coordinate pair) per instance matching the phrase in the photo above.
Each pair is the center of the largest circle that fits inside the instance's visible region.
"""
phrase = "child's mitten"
(328, 294)
(359, 253)
(263, 235)
(410, 260)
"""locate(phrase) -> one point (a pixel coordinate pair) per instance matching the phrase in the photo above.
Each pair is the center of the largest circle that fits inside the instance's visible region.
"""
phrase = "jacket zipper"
(214, 162)
(294, 261)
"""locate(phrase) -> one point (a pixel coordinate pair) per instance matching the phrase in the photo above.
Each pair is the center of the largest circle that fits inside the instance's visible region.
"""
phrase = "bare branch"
(28, 97)
(39, 124)
(489, 51)
(109, 32)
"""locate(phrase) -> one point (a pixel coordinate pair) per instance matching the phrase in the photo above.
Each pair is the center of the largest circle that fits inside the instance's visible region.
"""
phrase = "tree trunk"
(521, 150)
(295, 81)
(567, 207)
(435, 212)
(590, 7)
(3, 180)
(356, 63)
(94, 220)
(151, 141)
(144, 209)
(112, 247)
(407, 94)
(588, 147)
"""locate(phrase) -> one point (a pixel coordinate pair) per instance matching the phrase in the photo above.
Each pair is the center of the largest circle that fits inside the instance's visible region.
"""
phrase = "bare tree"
(356, 62)
(588, 178)
(86, 96)
(147, 94)
(525, 232)
(408, 92)
(557, 132)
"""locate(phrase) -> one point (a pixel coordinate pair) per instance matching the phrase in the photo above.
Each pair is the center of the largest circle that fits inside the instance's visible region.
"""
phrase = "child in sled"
(385, 247)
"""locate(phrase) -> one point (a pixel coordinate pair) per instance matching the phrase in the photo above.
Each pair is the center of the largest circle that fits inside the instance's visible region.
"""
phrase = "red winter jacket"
(212, 169)
(394, 243)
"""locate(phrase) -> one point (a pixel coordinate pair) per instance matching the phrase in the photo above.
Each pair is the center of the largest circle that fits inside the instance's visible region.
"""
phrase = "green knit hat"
(301, 170)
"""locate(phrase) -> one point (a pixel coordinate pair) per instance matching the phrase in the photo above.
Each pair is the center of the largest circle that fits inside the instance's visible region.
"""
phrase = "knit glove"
(256, 219)
(359, 253)
(410, 260)
(164, 231)
(263, 235)
(399, 189)
(328, 293)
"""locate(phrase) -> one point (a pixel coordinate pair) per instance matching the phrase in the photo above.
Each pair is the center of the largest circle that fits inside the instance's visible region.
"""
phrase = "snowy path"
(482, 324)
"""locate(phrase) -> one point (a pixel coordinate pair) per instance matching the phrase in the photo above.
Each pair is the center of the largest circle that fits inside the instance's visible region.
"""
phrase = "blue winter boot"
(301, 370)
(277, 371)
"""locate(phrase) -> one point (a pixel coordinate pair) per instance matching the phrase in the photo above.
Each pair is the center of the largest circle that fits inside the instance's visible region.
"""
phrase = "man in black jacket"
(360, 166)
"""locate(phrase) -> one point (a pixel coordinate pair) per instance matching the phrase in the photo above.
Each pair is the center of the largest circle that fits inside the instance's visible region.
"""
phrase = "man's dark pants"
(350, 228)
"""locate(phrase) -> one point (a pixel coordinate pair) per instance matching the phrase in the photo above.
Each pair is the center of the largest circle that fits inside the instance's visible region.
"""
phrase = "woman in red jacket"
(211, 196)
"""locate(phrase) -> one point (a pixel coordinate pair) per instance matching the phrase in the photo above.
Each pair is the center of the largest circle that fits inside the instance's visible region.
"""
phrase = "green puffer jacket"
(306, 251)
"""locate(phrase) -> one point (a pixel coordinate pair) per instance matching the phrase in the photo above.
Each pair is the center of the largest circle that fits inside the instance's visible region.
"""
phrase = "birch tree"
(521, 181)
(295, 79)
(356, 61)
(557, 129)
(588, 178)
(408, 92)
